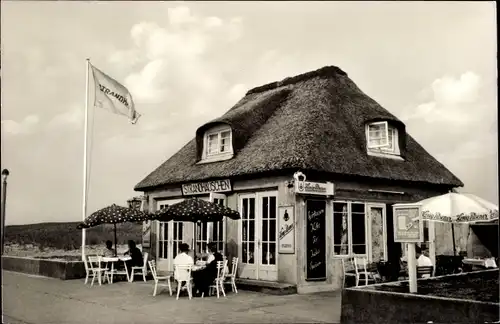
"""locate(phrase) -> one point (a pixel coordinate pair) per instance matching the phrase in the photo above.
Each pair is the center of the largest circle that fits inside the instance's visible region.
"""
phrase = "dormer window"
(382, 139)
(217, 144)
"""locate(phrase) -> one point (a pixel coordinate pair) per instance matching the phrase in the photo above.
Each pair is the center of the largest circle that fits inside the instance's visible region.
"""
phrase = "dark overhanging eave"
(450, 184)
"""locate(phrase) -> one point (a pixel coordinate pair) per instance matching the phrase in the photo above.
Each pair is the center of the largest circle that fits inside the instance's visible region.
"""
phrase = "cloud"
(179, 68)
(460, 114)
(70, 119)
(26, 126)
(451, 100)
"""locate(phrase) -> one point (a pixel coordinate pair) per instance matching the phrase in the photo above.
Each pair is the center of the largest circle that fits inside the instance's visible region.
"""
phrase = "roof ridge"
(326, 71)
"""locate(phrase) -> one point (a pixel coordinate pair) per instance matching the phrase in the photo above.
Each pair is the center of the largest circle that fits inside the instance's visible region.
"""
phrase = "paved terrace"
(31, 299)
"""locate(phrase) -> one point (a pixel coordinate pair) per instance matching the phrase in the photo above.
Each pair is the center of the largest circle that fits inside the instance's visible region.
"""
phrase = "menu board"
(315, 240)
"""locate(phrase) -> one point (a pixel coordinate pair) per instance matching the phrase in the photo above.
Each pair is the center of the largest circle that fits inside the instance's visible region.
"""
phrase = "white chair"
(143, 269)
(346, 269)
(157, 279)
(87, 269)
(182, 273)
(231, 277)
(97, 270)
(361, 267)
(218, 283)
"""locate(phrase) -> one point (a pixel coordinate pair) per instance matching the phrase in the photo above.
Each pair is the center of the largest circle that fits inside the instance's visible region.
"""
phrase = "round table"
(112, 260)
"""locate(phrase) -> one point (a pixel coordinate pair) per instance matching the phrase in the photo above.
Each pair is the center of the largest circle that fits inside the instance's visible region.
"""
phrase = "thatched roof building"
(314, 122)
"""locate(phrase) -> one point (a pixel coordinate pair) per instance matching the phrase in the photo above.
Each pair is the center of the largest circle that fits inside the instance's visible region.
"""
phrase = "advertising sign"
(407, 219)
(314, 188)
(206, 187)
(286, 230)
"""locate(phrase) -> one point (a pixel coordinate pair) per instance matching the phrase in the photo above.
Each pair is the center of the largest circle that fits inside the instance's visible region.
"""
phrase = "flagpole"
(84, 200)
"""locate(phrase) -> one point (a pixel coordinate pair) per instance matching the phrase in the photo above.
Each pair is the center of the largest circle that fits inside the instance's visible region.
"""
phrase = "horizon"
(186, 63)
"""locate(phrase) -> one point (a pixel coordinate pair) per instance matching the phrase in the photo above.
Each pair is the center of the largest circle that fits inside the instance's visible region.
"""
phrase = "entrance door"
(212, 232)
(217, 230)
(170, 235)
(377, 238)
(258, 233)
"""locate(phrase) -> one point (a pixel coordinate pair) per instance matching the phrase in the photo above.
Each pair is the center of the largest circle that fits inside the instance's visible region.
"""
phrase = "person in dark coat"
(393, 265)
(136, 255)
(204, 278)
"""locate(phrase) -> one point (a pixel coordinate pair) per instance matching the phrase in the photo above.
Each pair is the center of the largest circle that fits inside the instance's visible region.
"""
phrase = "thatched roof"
(314, 121)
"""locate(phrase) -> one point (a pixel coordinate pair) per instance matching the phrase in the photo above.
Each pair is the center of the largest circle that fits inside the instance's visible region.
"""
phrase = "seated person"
(204, 278)
(422, 260)
(108, 251)
(135, 254)
(183, 258)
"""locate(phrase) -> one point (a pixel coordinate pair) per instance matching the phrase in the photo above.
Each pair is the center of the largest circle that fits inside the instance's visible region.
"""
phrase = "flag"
(113, 96)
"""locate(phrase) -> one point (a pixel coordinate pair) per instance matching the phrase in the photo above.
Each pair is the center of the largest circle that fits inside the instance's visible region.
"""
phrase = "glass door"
(170, 235)
(217, 230)
(258, 233)
(267, 236)
(247, 251)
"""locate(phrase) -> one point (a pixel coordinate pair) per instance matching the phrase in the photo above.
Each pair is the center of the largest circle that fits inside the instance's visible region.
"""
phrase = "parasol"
(455, 207)
(113, 214)
(195, 210)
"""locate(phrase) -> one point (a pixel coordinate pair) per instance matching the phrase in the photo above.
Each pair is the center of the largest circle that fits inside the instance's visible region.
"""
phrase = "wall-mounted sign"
(206, 187)
(146, 234)
(408, 227)
(314, 188)
(315, 240)
(286, 230)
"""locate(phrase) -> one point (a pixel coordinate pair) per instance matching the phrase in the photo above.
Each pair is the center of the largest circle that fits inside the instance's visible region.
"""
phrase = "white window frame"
(349, 229)
(217, 156)
(209, 228)
(385, 131)
(160, 239)
(369, 205)
(384, 150)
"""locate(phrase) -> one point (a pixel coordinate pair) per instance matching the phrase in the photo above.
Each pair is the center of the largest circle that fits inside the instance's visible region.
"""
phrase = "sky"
(432, 64)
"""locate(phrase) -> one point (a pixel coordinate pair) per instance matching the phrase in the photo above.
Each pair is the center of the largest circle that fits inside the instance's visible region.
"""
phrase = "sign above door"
(304, 187)
(206, 187)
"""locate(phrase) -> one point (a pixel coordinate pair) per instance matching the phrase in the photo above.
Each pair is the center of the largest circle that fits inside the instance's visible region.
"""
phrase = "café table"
(479, 263)
(113, 260)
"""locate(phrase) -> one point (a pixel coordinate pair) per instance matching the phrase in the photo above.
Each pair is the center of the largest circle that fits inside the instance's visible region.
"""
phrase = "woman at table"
(108, 252)
(204, 278)
(135, 254)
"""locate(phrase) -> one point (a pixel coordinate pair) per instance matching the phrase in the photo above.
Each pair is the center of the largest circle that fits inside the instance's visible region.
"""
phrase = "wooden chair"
(231, 277)
(218, 283)
(158, 279)
(182, 273)
(425, 270)
(347, 272)
(97, 270)
(143, 269)
(361, 268)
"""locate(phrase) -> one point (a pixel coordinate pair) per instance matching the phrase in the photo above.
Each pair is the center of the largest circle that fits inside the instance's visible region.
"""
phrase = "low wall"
(361, 305)
(45, 267)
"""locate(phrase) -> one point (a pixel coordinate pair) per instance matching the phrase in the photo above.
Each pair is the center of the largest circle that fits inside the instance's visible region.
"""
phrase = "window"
(217, 144)
(169, 231)
(349, 228)
(382, 138)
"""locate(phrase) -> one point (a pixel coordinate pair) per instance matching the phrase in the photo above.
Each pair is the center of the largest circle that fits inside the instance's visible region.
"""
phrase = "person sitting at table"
(108, 251)
(183, 258)
(422, 260)
(205, 277)
(135, 254)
